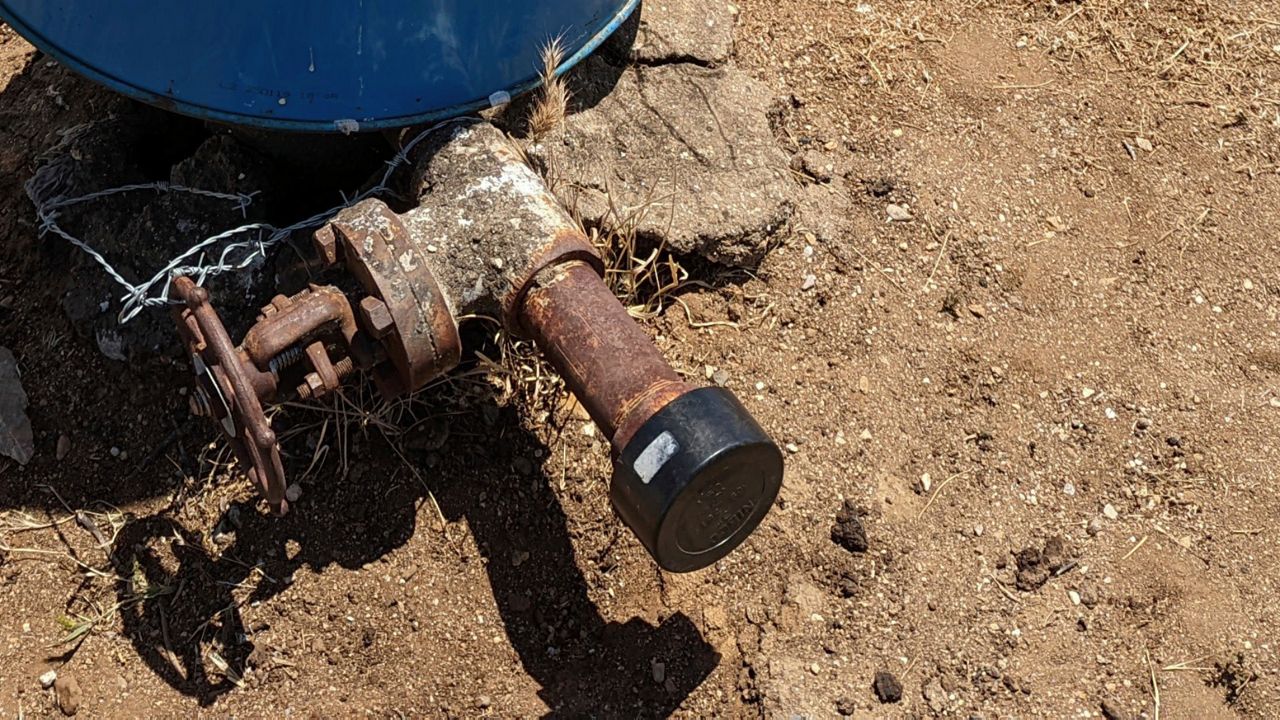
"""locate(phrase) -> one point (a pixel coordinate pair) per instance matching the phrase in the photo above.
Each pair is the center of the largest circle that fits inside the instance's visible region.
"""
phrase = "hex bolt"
(376, 317)
(326, 244)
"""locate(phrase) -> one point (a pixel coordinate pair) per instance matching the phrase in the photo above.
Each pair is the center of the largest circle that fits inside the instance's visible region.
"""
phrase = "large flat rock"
(685, 148)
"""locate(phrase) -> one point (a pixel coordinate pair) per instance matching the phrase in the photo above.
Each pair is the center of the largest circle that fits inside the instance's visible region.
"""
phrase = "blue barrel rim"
(332, 127)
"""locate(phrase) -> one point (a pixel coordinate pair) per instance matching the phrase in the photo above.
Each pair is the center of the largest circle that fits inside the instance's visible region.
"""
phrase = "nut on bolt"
(313, 387)
(377, 317)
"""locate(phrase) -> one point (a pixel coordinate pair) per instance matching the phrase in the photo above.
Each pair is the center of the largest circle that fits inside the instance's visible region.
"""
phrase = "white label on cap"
(655, 456)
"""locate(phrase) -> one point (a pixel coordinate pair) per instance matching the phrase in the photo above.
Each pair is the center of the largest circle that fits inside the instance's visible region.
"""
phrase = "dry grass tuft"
(552, 103)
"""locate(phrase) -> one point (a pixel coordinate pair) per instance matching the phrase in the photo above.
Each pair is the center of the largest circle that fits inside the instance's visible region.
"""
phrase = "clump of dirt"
(1233, 676)
(1037, 564)
(848, 531)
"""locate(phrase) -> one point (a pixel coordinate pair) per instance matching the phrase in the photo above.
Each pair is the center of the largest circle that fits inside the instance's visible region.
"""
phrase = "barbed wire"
(46, 189)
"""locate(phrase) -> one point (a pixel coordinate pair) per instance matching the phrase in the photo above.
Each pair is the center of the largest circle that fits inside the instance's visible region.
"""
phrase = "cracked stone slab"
(671, 31)
(691, 145)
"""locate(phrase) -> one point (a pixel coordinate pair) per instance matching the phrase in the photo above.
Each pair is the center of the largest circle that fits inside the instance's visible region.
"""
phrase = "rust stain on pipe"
(610, 364)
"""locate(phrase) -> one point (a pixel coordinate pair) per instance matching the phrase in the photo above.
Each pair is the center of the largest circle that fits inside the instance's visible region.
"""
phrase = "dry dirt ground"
(1048, 391)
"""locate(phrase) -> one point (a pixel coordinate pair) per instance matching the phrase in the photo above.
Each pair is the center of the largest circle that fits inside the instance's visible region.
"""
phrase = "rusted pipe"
(299, 321)
(694, 474)
(608, 362)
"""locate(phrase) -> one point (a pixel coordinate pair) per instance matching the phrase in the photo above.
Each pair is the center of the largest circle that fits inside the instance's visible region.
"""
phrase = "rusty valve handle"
(694, 474)
(227, 389)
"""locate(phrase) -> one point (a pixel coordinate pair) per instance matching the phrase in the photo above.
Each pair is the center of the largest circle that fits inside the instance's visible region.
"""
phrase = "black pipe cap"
(696, 479)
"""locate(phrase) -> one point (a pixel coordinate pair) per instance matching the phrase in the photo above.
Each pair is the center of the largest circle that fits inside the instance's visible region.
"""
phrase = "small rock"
(46, 680)
(887, 687)
(1069, 489)
(848, 531)
(1087, 393)
(935, 695)
(898, 213)
(293, 492)
(1110, 511)
(978, 530)
(793, 448)
(926, 481)
(978, 310)
(483, 702)
(659, 672)
(720, 377)
(1094, 527)
(1112, 711)
(64, 447)
(1144, 144)
(846, 706)
(67, 691)
(1075, 597)
(865, 436)
(810, 281)
(1088, 595)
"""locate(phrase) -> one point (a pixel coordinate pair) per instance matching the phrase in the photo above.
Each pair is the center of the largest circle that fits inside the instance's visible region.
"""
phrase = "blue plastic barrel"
(314, 65)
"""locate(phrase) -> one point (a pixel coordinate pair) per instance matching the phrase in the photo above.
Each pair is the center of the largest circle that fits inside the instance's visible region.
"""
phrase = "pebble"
(67, 691)
(1110, 511)
(926, 481)
(115, 451)
(810, 281)
(659, 672)
(1075, 597)
(1112, 711)
(64, 447)
(865, 436)
(1069, 489)
(978, 310)
(978, 530)
(1087, 393)
(1095, 526)
(1144, 144)
(293, 492)
(887, 687)
(898, 213)
(720, 377)
(793, 448)
(46, 680)
(483, 702)
(1248, 284)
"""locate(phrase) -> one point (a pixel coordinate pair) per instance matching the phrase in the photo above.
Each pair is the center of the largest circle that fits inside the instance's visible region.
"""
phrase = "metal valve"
(694, 473)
